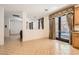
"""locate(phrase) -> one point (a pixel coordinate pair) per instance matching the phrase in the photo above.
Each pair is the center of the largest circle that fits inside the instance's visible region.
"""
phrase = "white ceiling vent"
(16, 15)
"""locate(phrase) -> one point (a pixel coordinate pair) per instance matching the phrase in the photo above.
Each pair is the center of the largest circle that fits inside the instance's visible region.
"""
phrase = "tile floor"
(37, 47)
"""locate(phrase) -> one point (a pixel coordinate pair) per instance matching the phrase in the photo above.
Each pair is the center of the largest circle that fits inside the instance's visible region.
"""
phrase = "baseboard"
(36, 39)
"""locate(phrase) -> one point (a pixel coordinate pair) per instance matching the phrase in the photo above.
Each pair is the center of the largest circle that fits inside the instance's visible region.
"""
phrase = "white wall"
(12, 28)
(15, 26)
(6, 22)
(35, 33)
(1, 26)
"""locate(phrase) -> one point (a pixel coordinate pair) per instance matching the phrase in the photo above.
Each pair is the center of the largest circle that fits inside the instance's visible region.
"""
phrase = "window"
(31, 25)
(41, 23)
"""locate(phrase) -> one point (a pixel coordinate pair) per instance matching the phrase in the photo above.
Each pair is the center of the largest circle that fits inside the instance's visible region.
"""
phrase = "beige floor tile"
(37, 47)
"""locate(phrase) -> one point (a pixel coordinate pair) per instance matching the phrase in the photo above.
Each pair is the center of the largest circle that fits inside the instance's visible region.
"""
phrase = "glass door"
(65, 31)
(62, 28)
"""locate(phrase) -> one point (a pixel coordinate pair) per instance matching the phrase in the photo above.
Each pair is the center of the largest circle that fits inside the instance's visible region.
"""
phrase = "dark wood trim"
(73, 17)
(72, 24)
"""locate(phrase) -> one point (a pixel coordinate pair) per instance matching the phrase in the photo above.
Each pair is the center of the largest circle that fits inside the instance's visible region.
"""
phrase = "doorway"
(13, 27)
(62, 28)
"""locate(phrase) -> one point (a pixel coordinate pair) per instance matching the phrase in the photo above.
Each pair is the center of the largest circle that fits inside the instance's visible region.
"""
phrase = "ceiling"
(33, 10)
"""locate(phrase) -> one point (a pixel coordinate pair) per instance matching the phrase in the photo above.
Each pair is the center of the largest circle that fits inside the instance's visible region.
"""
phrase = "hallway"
(38, 47)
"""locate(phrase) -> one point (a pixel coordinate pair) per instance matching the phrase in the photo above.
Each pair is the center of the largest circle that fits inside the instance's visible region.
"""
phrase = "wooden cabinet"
(76, 21)
(75, 39)
(75, 34)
